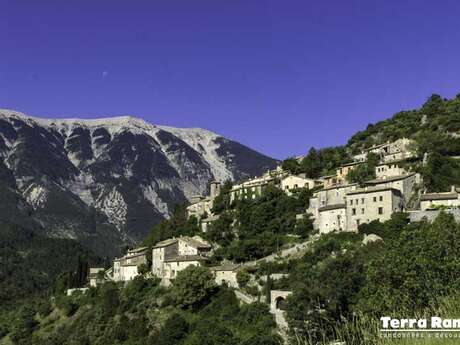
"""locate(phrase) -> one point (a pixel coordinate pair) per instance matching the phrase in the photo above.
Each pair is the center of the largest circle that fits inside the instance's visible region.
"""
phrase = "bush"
(193, 287)
(243, 277)
(174, 331)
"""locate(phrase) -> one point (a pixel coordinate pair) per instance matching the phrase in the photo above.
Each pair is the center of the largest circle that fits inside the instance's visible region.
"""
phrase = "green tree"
(193, 287)
(292, 166)
(174, 331)
(243, 277)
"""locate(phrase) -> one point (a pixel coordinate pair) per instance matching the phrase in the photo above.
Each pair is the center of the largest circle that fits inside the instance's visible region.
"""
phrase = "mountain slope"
(106, 182)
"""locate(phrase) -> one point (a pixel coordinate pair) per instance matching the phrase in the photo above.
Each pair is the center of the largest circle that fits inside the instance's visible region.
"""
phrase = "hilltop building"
(126, 267)
(332, 218)
(201, 206)
(405, 183)
(292, 182)
(174, 255)
(389, 169)
(430, 201)
(400, 149)
(368, 204)
(96, 276)
(226, 274)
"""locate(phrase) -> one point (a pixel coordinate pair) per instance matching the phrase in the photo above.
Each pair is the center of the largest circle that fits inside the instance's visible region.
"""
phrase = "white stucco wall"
(428, 204)
(390, 169)
(228, 277)
(332, 220)
(366, 207)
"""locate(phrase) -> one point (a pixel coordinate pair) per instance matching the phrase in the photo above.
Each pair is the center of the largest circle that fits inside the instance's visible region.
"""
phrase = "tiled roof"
(338, 186)
(331, 207)
(225, 267)
(389, 179)
(138, 250)
(186, 258)
(195, 242)
(165, 243)
(438, 196)
(375, 190)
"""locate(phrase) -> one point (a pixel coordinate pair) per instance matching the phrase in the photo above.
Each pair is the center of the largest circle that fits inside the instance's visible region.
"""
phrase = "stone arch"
(278, 299)
(280, 303)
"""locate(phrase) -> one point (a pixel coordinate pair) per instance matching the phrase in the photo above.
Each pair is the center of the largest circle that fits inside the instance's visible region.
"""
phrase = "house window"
(375, 199)
(381, 198)
(362, 201)
(357, 222)
(353, 211)
(380, 210)
(362, 211)
(351, 202)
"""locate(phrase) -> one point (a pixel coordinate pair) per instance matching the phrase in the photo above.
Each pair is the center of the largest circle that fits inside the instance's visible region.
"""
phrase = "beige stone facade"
(226, 274)
(432, 201)
(174, 255)
(293, 182)
(368, 204)
(96, 276)
(389, 169)
(126, 267)
(332, 218)
(404, 183)
(202, 206)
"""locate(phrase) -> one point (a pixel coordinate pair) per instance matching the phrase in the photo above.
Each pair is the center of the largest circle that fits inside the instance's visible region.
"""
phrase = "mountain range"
(106, 182)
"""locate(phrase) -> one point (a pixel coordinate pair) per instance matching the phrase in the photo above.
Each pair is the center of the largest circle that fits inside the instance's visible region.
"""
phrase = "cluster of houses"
(336, 205)
(339, 205)
(168, 258)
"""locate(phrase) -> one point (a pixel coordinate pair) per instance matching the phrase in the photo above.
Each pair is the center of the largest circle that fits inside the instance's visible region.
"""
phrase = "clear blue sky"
(279, 76)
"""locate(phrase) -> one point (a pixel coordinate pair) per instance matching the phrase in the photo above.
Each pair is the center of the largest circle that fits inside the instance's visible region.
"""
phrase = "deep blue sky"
(279, 76)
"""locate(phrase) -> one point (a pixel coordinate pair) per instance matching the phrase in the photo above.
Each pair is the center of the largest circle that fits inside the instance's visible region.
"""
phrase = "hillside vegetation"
(340, 287)
(193, 312)
(435, 129)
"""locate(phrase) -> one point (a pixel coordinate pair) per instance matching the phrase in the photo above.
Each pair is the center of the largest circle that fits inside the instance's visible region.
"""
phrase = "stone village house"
(174, 255)
(126, 267)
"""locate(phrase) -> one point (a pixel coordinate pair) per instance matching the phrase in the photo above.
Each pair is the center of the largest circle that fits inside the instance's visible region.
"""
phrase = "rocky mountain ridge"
(107, 181)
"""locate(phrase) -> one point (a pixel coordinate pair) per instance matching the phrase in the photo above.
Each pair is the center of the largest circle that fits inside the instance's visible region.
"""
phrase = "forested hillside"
(193, 312)
(435, 129)
(341, 285)
(30, 263)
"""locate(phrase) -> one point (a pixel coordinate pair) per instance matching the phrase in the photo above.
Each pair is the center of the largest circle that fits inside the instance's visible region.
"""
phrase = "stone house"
(293, 182)
(391, 151)
(400, 149)
(251, 189)
(201, 206)
(126, 267)
(340, 176)
(226, 274)
(332, 218)
(431, 201)
(389, 169)
(328, 197)
(174, 255)
(330, 181)
(368, 204)
(206, 222)
(404, 183)
(96, 276)
(172, 266)
(334, 195)
(344, 170)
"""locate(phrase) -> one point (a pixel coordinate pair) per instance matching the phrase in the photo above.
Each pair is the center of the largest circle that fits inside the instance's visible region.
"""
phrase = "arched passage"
(280, 303)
